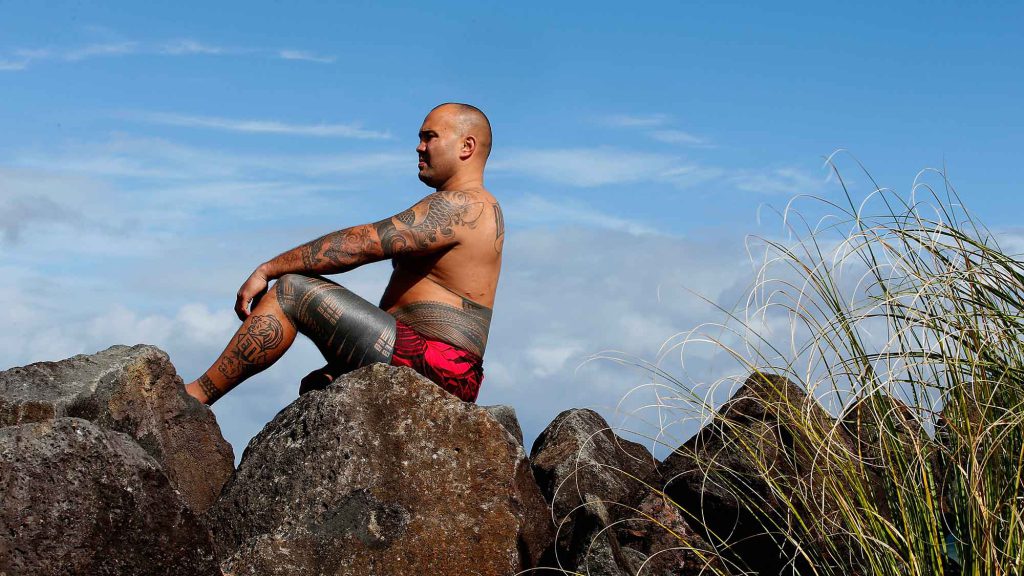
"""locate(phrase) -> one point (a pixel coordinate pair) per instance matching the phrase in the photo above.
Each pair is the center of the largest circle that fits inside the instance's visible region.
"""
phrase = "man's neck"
(467, 182)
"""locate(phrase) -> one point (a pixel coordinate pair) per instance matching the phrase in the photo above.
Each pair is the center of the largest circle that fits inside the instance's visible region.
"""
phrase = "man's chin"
(426, 179)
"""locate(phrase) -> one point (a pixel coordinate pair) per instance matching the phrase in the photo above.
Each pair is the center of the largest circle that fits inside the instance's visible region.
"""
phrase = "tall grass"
(904, 297)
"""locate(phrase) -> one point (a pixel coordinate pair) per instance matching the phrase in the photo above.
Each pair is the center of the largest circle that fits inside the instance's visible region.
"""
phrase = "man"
(436, 311)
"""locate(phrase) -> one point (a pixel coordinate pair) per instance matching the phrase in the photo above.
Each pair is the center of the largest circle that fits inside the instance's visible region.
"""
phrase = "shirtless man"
(436, 311)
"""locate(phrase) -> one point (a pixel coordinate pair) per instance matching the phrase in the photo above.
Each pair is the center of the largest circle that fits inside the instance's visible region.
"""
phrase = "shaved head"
(471, 121)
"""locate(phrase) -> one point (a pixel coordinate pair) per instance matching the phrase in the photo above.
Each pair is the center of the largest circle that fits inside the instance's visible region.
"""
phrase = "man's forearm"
(330, 254)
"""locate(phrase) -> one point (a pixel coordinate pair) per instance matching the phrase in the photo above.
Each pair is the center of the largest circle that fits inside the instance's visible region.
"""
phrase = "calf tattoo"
(211, 391)
(247, 353)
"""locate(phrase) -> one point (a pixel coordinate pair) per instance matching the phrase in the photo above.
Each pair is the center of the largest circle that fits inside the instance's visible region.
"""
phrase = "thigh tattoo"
(349, 331)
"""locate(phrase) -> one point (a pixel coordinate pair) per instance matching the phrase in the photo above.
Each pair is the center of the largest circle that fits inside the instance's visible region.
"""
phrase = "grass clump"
(904, 324)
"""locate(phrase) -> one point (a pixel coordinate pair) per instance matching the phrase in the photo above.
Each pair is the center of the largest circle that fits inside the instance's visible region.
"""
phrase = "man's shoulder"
(463, 195)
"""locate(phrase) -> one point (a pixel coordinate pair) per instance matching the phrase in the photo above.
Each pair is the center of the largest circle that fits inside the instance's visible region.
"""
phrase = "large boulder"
(76, 499)
(596, 484)
(382, 472)
(133, 390)
(769, 470)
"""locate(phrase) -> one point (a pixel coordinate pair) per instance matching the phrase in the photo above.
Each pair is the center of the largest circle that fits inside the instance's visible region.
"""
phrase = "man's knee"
(291, 288)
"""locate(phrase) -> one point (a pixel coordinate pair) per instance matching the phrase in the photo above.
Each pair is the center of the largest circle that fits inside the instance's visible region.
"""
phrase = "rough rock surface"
(506, 416)
(662, 541)
(77, 499)
(769, 424)
(382, 472)
(584, 471)
(133, 390)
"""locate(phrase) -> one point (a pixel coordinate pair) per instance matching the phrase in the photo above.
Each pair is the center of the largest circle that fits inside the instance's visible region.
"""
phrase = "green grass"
(893, 296)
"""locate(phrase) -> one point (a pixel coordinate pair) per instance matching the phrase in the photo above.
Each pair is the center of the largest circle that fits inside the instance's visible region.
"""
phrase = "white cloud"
(678, 137)
(305, 56)
(532, 210)
(636, 120)
(186, 46)
(259, 126)
(592, 167)
(13, 65)
(98, 50)
(784, 181)
(22, 58)
(587, 167)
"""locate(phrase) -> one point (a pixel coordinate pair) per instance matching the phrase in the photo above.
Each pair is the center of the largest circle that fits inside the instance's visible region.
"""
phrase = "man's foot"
(317, 379)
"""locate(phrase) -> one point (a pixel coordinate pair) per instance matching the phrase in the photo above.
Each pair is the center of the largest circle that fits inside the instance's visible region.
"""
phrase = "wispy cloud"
(187, 46)
(636, 120)
(260, 126)
(591, 167)
(98, 50)
(532, 210)
(677, 137)
(306, 56)
(23, 58)
(778, 181)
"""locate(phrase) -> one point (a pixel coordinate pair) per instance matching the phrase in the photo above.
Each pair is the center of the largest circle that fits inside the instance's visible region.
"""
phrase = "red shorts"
(456, 370)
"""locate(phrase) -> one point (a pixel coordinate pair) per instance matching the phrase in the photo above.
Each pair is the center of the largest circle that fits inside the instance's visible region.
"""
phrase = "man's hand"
(250, 293)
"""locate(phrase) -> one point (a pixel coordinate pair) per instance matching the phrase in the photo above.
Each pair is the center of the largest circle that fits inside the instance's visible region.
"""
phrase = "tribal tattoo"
(499, 228)
(211, 391)
(249, 350)
(348, 330)
(464, 327)
(445, 210)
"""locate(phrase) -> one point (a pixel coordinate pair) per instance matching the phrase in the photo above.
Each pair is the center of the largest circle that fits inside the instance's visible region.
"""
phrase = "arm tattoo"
(247, 353)
(391, 240)
(311, 253)
(464, 327)
(445, 211)
(499, 228)
(348, 245)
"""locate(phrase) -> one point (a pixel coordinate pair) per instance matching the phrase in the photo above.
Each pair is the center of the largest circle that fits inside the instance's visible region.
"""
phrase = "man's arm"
(432, 224)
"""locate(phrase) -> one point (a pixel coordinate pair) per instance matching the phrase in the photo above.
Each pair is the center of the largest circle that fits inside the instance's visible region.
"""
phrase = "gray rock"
(382, 472)
(506, 416)
(591, 478)
(76, 499)
(132, 390)
(659, 540)
(719, 475)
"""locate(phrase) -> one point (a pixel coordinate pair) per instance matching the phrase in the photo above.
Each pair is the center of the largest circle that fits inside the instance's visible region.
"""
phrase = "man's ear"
(468, 147)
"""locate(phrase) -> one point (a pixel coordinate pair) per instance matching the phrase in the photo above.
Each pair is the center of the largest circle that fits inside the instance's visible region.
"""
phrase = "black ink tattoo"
(445, 211)
(499, 229)
(347, 246)
(249, 352)
(464, 327)
(211, 391)
(349, 331)
(311, 253)
(407, 217)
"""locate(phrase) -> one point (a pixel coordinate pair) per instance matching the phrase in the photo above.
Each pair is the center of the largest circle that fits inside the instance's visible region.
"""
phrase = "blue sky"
(152, 155)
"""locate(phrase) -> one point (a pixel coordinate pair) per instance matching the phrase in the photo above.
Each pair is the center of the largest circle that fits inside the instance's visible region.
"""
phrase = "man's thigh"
(349, 331)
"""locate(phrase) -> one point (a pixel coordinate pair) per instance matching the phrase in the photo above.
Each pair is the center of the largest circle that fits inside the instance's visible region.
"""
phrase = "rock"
(506, 416)
(132, 390)
(660, 541)
(769, 429)
(382, 472)
(76, 499)
(590, 477)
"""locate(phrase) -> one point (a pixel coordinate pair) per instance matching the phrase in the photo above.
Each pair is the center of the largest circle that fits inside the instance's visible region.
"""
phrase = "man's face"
(438, 149)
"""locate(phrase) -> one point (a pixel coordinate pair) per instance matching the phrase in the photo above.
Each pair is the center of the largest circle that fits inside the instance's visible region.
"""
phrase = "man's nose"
(421, 147)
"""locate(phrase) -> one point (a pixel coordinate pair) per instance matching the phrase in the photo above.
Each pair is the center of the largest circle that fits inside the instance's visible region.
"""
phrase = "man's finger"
(240, 308)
